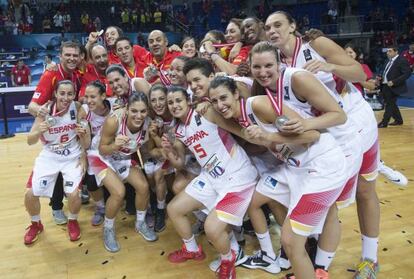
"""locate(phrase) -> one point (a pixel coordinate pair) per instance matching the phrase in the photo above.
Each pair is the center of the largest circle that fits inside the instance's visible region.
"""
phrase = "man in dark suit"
(396, 72)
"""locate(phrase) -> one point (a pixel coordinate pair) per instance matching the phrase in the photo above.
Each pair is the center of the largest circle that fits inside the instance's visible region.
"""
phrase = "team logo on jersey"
(286, 95)
(213, 167)
(121, 170)
(285, 154)
(197, 118)
(72, 115)
(62, 129)
(195, 138)
(69, 184)
(199, 185)
(43, 183)
(307, 54)
(36, 95)
(270, 182)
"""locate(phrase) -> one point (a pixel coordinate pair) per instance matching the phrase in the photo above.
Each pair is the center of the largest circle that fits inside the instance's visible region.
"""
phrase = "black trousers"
(57, 198)
(390, 103)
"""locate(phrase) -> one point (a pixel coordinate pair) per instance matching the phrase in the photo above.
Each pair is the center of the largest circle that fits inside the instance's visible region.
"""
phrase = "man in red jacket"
(21, 74)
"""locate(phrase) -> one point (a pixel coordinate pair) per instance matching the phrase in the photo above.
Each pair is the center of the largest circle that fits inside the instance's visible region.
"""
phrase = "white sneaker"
(394, 176)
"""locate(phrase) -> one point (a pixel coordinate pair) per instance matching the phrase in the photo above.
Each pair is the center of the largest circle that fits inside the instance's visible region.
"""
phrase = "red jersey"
(409, 56)
(369, 75)
(139, 54)
(91, 74)
(21, 76)
(166, 61)
(47, 84)
(242, 56)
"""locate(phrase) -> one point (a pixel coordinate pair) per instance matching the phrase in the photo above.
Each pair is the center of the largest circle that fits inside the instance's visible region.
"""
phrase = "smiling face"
(69, 58)
(94, 98)
(100, 58)
(137, 111)
(233, 33)
(111, 35)
(177, 75)
(251, 30)
(178, 105)
(124, 51)
(157, 43)
(278, 29)
(265, 69)
(225, 102)
(189, 48)
(198, 82)
(119, 84)
(65, 94)
(158, 101)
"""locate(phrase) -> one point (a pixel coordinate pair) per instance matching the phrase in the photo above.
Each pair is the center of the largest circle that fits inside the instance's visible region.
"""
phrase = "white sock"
(109, 223)
(100, 203)
(72, 216)
(266, 244)
(227, 257)
(161, 204)
(234, 245)
(141, 215)
(35, 218)
(191, 244)
(370, 248)
(324, 258)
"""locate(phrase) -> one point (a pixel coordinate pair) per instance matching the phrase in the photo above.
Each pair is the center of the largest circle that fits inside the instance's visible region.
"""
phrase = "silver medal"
(132, 144)
(50, 120)
(281, 121)
(159, 122)
(119, 102)
(84, 123)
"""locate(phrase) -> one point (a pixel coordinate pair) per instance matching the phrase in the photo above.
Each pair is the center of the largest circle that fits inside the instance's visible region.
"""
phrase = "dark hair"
(175, 88)
(236, 21)
(64, 82)
(155, 87)
(205, 67)
(118, 29)
(69, 44)
(188, 38)
(227, 82)
(290, 20)
(137, 97)
(123, 39)
(182, 58)
(98, 85)
(50, 56)
(393, 47)
(261, 47)
(115, 68)
(218, 35)
(357, 50)
(82, 50)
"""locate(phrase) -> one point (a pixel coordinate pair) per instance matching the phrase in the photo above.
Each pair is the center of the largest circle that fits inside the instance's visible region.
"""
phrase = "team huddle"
(263, 117)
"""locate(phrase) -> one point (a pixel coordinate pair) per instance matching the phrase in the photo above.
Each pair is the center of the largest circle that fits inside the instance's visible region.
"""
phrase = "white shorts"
(230, 195)
(151, 166)
(45, 172)
(191, 165)
(308, 192)
(265, 162)
(98, 166)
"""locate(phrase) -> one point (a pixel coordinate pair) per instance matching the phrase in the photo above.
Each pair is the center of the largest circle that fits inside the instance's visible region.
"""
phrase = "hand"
(243, 69)
(83, 163)
(293, 126)
(150, 72)
(120, 141)
(43, 127)
(174, 48)
(44, 109)
(153, 129)
(203, 107)
(93, 37)
(52, 67)
(166, 145)
(208, 45)
(80, 131)
(255, 134)
(390, 84)
(314, 66)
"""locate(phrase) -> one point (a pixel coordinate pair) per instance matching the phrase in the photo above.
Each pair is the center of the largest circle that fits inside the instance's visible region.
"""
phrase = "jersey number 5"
(64, 138)
(200, 151)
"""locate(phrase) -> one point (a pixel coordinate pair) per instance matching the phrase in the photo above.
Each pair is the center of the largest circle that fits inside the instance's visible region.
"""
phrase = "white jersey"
(61, 140)
(96, 122)
(344, 134)
(136, 140)
(214, 148)
(297, 155)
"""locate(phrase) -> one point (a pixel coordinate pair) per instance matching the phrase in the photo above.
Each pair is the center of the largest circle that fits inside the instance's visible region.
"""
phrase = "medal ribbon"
(277, 100)
(298, 45)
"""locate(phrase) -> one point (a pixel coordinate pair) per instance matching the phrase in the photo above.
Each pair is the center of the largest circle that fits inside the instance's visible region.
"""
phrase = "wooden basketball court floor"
(54, 256)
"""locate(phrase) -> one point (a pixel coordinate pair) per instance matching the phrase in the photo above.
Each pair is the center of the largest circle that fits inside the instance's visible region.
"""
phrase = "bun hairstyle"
(64, 82)
(264, 46)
